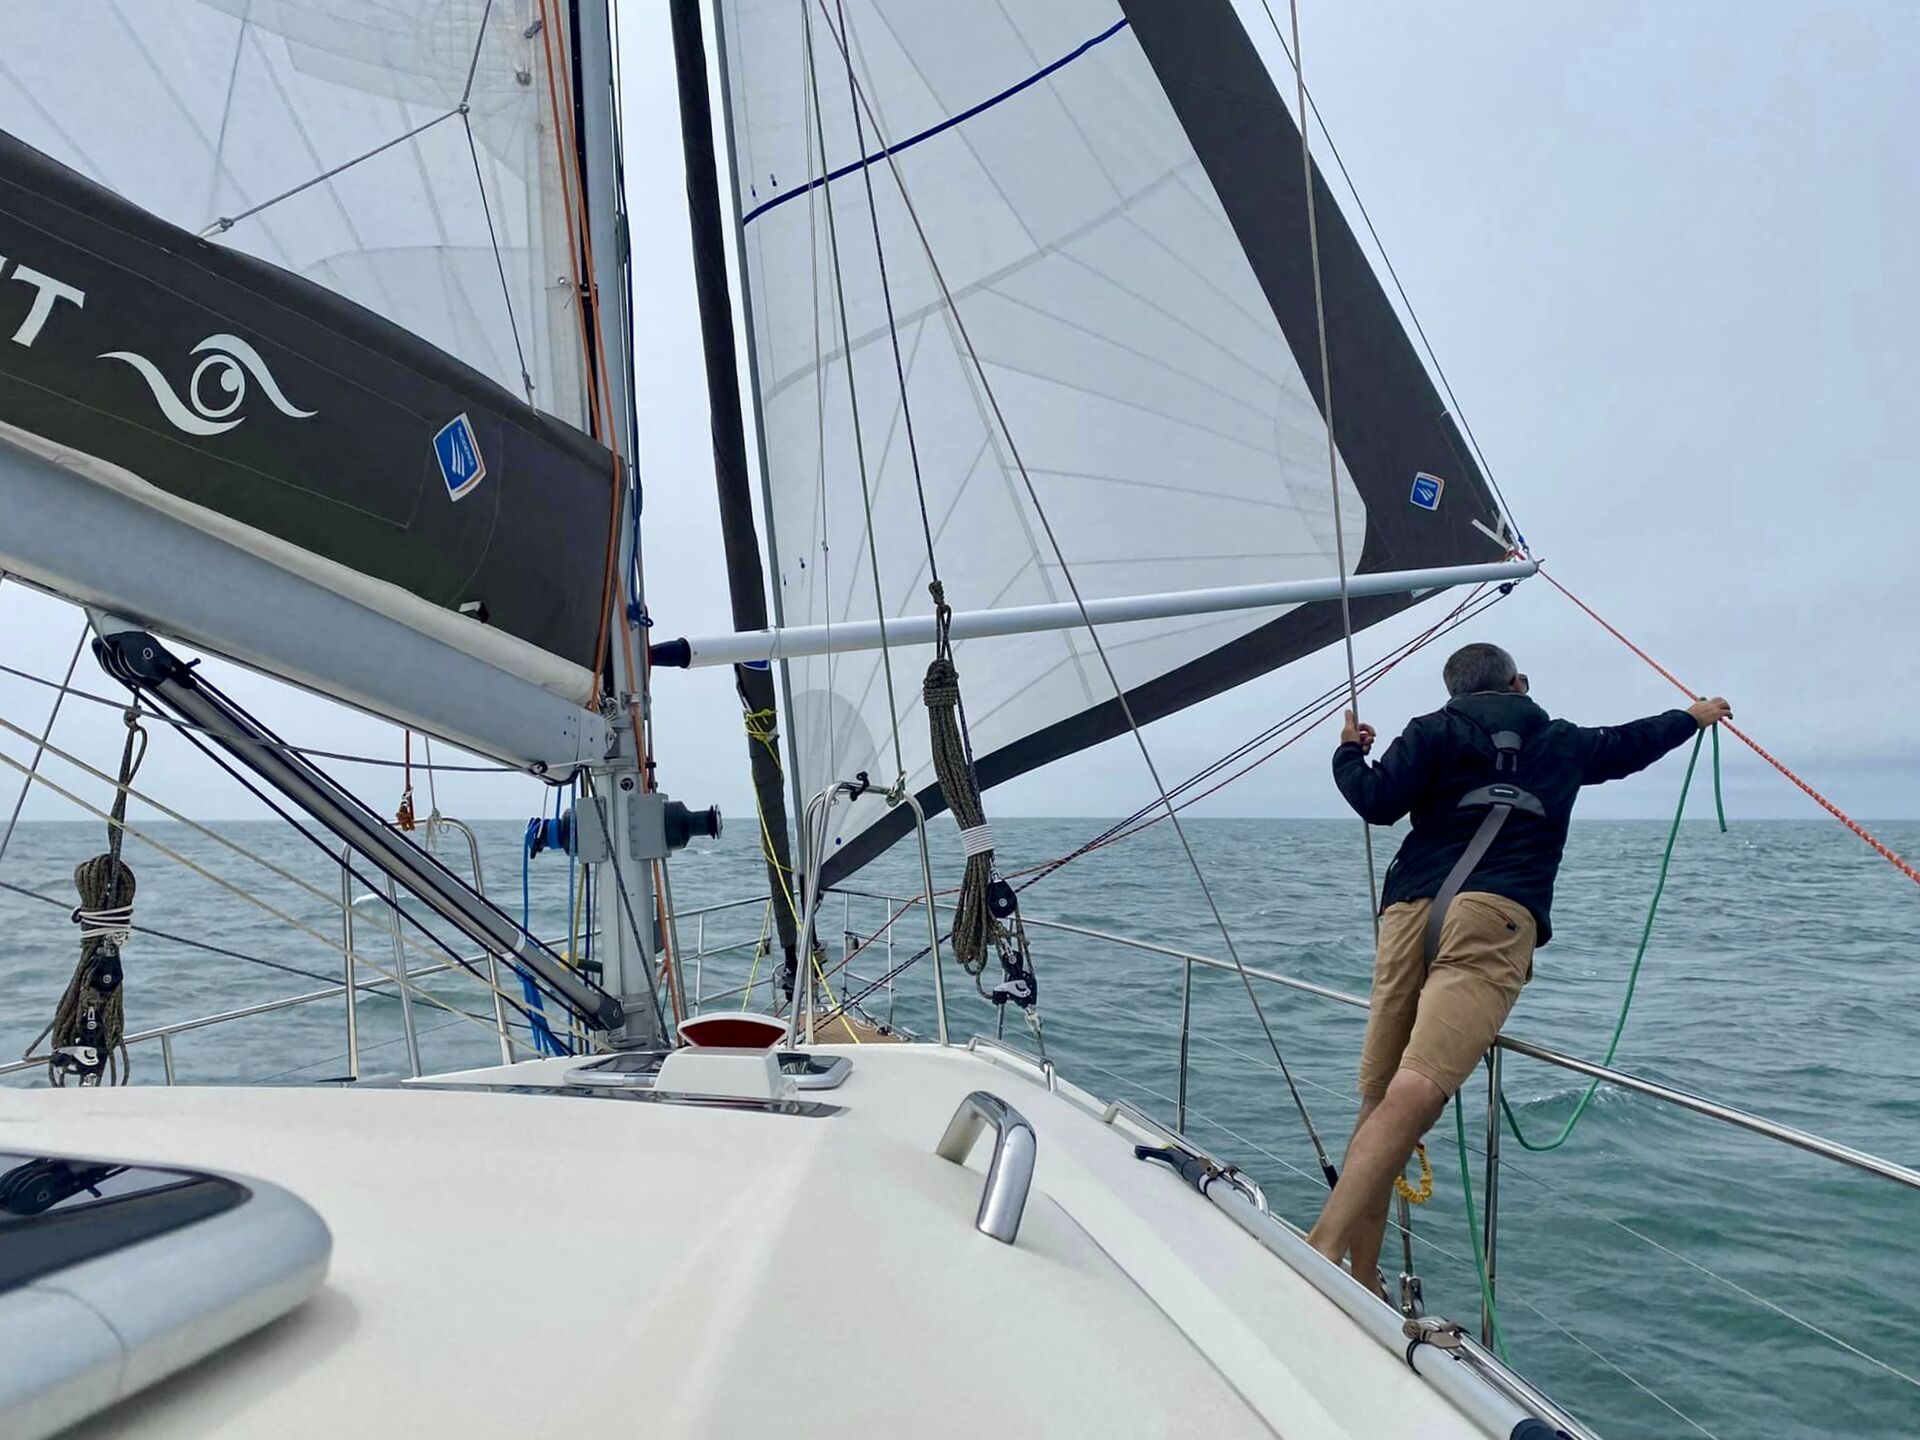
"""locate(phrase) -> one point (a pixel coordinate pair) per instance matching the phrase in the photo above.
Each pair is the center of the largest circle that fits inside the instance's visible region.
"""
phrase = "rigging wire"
(1326, 407)
(200, 829)
(40, 746)
(977, 930)
(1559, 1194)
(1454, 410)
(486, 206)
(224, 223)
(853, 400)
(499, 261)
(1307, 718)
(886, 296)
(834, 750)
(196, 868)
(1120, 694)
(398, 911)
(186, 940)
(147, 713)
(1145, 818)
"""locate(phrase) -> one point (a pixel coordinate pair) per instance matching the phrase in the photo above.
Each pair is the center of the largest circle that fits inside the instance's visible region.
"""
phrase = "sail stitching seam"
(886, 152)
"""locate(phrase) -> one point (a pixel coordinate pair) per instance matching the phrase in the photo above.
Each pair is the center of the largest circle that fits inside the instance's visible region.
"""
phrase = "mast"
(746, 578)
(627, 833)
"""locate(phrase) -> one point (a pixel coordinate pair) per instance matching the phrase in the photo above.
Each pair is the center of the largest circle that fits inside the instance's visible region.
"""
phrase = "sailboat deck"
(735, 1270)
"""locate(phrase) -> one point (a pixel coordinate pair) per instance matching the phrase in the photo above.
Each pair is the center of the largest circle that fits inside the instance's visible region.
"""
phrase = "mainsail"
(1114, 198)
(299, 274)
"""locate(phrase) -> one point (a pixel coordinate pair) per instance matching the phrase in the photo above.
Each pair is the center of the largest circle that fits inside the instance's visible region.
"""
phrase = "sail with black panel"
(1075, 235)
(308, 368)
(296, 369)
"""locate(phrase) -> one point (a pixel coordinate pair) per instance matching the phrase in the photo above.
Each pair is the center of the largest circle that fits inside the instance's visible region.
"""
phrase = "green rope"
(1639, 955)
(1473, 1232)
(1619, 1028)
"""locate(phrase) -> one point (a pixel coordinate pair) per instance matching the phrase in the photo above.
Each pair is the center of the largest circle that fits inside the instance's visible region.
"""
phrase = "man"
(1442, 992)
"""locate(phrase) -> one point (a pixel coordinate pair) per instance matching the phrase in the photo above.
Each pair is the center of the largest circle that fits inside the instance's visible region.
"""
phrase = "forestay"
(1114, 196)
(396, 154)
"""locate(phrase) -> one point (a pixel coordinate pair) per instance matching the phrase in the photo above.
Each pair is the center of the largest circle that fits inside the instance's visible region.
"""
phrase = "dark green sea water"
(1661, 1275)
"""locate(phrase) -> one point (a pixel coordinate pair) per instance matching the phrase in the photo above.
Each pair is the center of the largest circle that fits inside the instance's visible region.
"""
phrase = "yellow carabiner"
(1407, 1192)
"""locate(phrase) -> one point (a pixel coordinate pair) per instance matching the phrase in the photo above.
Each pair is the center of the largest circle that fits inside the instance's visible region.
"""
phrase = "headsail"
(304, 282)
(1114, 197)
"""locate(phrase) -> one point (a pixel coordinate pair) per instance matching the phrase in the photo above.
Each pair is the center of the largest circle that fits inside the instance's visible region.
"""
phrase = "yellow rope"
(833, 1001)
(1424, 1193)
(760, 730)
(759, 951)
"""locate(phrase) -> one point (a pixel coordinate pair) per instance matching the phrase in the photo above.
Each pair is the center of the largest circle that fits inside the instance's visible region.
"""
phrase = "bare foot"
(1326, 1245)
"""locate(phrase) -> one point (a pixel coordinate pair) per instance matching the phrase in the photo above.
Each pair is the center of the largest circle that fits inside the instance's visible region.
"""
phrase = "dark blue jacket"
(1440, 757)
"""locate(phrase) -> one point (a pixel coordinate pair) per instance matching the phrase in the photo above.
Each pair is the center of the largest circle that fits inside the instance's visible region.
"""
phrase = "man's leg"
(1486, 950)
(1399, 971)
(1356, 1214)
(1365, 1251)
(1365, 1244)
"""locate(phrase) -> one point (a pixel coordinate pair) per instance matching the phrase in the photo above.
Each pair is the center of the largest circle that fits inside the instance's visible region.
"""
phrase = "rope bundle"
(91, 1015)
(92, 1011)
(974, 928)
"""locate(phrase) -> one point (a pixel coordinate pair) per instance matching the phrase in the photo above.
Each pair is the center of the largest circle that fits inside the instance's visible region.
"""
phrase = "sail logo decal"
(1426, 491)
(458, 452)
(217, 388)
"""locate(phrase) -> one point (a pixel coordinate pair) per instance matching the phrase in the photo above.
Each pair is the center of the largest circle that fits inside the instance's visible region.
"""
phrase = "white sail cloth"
(209, 111)
(1148, 390)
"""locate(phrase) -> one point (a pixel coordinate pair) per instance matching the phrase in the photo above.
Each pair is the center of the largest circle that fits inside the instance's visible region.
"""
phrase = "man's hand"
(1710, 712)
(1354, 733)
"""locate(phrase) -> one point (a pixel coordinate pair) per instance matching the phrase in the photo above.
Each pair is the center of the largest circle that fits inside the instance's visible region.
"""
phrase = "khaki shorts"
(1440, 1023)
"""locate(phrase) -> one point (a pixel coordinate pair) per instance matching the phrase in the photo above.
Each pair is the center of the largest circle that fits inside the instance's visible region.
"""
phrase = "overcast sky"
(1666, 255)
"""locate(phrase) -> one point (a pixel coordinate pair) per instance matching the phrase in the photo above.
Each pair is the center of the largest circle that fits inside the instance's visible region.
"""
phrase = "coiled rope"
(974, 926)
(89, 1024)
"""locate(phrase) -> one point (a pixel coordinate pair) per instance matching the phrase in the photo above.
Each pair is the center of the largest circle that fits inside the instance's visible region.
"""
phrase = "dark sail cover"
(224, 381)
(1114, 192)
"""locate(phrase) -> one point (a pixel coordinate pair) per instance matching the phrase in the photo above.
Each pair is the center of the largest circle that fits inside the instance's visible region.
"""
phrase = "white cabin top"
(539, 1264)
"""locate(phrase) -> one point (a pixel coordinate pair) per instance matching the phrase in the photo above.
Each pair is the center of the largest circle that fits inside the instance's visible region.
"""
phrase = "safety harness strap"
(1463, 867)
(1502, 798)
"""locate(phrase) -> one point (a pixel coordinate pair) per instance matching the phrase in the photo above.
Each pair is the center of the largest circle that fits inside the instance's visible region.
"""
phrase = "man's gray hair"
(1479, 667)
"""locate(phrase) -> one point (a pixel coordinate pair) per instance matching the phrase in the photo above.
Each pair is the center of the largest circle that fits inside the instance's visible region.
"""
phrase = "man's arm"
(1617, 751)
(1381, 794)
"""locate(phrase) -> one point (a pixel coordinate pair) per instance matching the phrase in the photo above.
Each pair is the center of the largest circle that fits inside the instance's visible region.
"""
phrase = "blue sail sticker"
(1426, 491)
(459, 456)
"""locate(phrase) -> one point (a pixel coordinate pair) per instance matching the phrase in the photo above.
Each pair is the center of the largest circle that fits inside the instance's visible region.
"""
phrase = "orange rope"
(599, 387)
(1879, 846)
(613, 589)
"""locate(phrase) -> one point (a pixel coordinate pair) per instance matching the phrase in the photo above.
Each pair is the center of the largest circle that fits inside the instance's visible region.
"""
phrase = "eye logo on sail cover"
(217, 388)
(1426, 491)
(459, 455)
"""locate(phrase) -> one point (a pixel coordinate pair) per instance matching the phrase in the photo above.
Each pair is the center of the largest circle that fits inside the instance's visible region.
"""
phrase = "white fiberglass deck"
(514, 1264)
